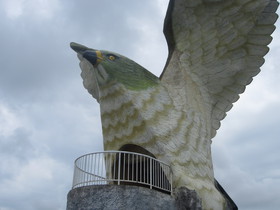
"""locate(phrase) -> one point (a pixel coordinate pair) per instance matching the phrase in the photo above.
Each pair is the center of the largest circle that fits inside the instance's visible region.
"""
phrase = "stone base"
(118, 197)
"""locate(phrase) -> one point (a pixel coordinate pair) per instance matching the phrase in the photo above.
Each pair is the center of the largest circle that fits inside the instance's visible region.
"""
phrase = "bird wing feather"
(216, 47)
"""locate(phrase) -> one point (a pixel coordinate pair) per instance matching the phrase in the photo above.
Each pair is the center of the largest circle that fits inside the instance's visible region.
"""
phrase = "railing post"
(171, 187)
(151, 174)
(119, 169)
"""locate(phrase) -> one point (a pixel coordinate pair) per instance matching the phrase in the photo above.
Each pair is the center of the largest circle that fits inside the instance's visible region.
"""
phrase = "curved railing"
(121, 167)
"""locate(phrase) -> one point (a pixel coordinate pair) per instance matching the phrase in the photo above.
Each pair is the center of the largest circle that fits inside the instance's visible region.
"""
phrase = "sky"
(47, 118)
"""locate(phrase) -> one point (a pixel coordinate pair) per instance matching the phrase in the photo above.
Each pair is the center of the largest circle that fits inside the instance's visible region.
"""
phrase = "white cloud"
(39, 8)
(30, 175)
(150, 50)
(162, 6)
(33, 184)
(9, 121)
(13, 8)
(248, 187)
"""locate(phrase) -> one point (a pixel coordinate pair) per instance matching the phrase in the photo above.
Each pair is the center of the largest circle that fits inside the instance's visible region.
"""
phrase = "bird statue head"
(101, 69)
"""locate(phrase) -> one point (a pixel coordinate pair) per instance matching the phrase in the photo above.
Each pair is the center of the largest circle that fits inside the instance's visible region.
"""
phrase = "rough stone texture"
(117, 197)
(187, 199)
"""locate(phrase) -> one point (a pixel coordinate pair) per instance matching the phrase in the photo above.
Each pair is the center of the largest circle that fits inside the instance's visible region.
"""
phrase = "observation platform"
(114, 180)
(122, 168)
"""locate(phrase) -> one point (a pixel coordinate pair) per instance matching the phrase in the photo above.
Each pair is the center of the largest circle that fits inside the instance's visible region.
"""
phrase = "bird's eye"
(111, 57)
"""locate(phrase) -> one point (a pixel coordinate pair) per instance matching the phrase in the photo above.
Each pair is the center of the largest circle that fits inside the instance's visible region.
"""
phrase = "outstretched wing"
(216, 47)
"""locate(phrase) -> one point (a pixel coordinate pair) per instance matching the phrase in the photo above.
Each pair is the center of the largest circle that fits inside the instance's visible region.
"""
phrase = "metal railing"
(121, 167)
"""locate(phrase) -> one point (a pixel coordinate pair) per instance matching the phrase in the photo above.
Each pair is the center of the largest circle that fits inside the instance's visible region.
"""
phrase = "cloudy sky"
(47, 118)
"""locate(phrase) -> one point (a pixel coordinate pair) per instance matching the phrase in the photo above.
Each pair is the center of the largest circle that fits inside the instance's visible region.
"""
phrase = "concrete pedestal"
(124, 197)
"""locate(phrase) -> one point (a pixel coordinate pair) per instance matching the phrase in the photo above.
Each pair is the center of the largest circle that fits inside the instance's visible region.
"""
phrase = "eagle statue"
(216, 47)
